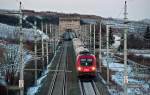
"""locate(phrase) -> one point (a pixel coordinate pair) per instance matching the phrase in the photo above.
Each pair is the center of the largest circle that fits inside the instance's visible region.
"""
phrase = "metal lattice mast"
(107, 51)
(85, 35)
(42, 46)
(50, 30)
(125, 51)
(21, 80)
(53, 37)
(100, 47)
(90, 37)
(47, 57)
(54, 31)
(81, 33)
(94, 39)
(35, 51)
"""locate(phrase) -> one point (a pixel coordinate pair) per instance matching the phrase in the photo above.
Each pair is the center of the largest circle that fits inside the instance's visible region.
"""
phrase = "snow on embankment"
(12, 58)
(13, 51)
(138, 85)
(33, 90)
(117, 42)
(144, 53)
(114, 66)
(12, 32)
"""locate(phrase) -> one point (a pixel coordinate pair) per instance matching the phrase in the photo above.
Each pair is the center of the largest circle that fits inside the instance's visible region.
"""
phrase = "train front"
(86, 65)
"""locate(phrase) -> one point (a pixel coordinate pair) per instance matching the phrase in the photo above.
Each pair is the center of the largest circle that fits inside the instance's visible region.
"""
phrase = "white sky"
(137, 9)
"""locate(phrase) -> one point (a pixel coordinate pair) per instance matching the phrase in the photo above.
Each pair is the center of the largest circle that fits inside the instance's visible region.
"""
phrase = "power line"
(120, 12)
(17, 1)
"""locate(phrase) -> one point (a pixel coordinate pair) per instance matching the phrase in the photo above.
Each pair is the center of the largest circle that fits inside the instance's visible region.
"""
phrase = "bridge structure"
(69, 22)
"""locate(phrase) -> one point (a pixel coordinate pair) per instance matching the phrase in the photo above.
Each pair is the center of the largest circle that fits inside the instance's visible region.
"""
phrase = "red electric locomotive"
(86, 64)
(85, 61)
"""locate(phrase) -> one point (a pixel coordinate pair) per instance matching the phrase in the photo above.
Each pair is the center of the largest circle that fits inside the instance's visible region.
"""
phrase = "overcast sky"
(137, 9)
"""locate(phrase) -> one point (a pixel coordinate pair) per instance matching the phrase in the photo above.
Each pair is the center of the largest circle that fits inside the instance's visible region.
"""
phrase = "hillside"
(45, 16)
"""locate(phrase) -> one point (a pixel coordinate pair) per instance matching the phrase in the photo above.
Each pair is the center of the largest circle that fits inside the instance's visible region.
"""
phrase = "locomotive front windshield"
(86, 61)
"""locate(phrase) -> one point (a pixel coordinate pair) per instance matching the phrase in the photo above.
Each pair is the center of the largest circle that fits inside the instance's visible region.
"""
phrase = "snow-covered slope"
(12, 60)
(117, 42)
(12, 32)
(146, 21)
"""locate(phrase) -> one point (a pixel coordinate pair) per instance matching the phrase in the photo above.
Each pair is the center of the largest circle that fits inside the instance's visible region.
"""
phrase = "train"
(69, 35)
(85, 61)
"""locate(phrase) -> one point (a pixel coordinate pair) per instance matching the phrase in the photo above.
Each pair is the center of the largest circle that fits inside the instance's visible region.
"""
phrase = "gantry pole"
(35, 51)
(94, 39)
(125, 51)
(107, 51)
(21, 80)
(47, 56)
(42, 26)
(100, 47)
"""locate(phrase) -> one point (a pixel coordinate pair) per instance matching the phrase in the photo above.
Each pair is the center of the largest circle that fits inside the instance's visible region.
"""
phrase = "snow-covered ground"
(143, 85)
(12, 32)
(140, 86)
(34, 89)
(117, 41)
(12, 54)
(114, 66)
(144, 53)
(136, 51)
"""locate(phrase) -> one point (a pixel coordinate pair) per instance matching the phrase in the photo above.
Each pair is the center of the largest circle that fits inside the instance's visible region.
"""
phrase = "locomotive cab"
(86, 64)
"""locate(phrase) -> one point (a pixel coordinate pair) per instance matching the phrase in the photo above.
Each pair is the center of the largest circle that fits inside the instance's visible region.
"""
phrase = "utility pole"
(50, 30)
(100, 47)
(58, 33)
(52, 35)
(21, 80)
(125, 50)
(107, 51)
(85, 35)
(54, 31)
(57, 30)
(47, 57)
(94, 39)
(90, 37)
(42, 46)
(81, 33)
(35, 51)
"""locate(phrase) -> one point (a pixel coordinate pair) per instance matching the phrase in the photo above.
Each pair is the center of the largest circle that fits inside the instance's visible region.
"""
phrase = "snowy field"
(144, 53)
(35, 88)
(137, 86)
(12, 32)
(12, 51)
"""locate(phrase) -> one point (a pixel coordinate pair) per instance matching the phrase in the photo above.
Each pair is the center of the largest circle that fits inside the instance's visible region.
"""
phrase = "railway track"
(88, 88)
(58, 85)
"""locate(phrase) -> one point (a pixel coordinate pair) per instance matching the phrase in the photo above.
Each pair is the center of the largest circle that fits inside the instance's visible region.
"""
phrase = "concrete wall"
(69, 22)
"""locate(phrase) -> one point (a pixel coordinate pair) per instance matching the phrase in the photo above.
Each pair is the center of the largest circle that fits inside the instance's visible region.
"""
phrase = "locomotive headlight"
(93, 68)
(79, 68)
